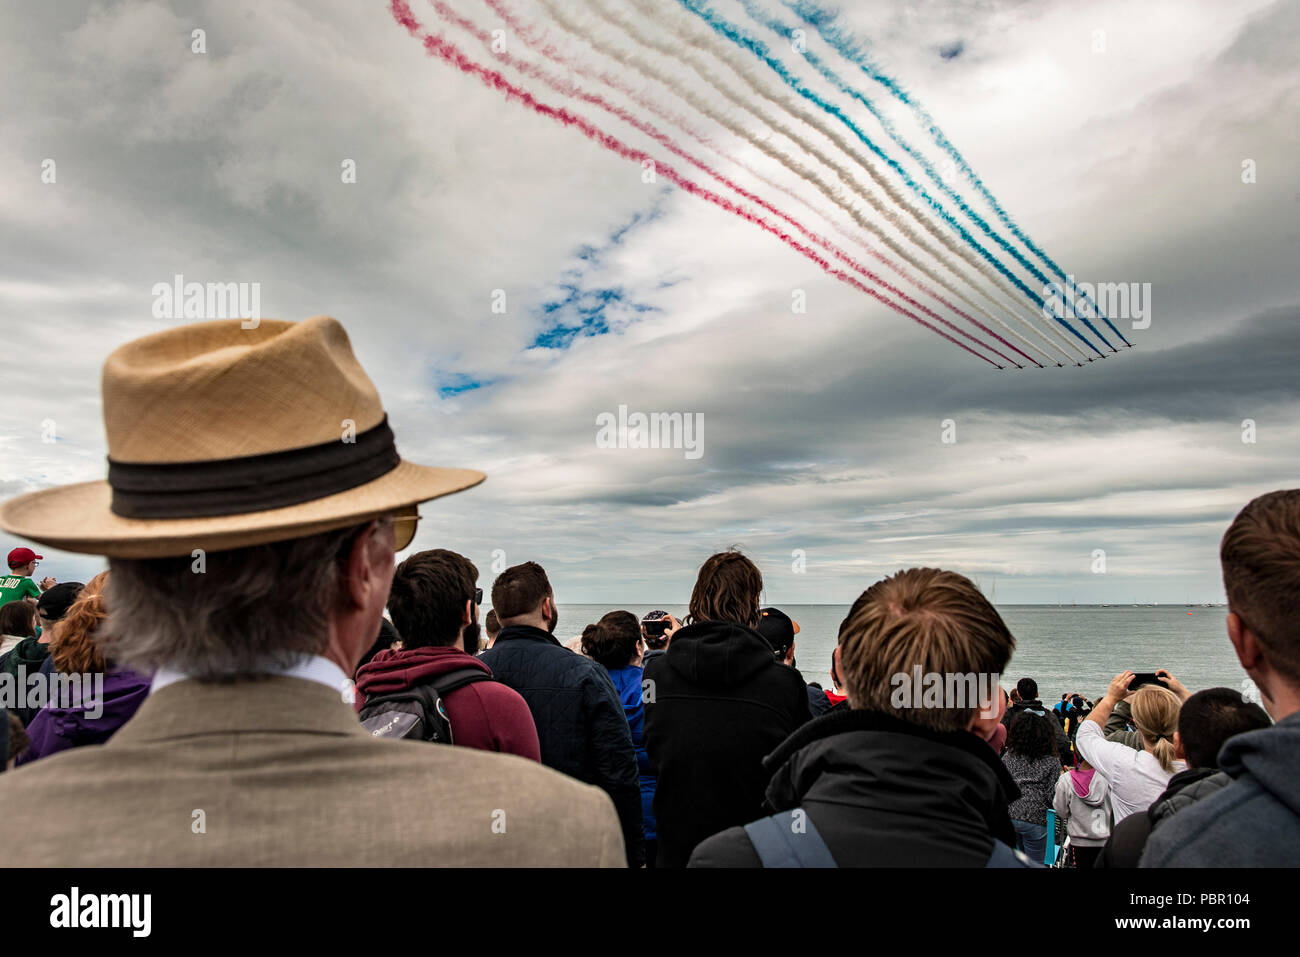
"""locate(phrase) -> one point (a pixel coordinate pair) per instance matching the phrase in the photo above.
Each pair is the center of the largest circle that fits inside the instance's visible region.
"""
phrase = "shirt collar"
(309, 668)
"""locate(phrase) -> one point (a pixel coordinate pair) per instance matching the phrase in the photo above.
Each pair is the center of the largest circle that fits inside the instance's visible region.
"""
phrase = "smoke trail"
(698, 58)
(534, 40)
(631, 58)
(449, 53)
(739, 37)
(822, 20)
(569, 89)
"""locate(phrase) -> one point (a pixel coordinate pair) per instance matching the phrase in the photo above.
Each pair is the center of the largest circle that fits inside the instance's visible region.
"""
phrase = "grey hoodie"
(1254, 821)
(1088, 817)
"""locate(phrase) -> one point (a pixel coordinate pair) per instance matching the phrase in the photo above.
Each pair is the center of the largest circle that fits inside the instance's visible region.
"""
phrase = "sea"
(1065, 648)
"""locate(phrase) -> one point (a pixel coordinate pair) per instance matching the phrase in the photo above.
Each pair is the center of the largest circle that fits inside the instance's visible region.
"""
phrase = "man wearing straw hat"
(253, 506)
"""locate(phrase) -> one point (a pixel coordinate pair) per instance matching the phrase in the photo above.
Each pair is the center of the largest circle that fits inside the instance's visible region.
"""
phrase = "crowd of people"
(277, 689)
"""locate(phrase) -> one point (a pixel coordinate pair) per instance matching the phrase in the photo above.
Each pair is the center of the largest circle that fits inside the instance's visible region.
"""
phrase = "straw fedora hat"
(221, 436)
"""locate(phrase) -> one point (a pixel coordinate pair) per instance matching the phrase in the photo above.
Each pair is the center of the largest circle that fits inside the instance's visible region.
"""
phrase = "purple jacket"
(55, 729)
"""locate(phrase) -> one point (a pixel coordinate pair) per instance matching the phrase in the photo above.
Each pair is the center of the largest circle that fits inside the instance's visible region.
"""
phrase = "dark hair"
(1260, 554)
(1027, 688)
(428, 595)
(519, 590)
(492, 624)
(835, 678)
(727, 588)
(17, 618)
(612, 640)
(384, 642)
(1210, 717)
(1031, 736)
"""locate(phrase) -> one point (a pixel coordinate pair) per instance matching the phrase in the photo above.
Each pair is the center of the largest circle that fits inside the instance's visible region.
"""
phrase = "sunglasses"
(478, 596)
(404, 526)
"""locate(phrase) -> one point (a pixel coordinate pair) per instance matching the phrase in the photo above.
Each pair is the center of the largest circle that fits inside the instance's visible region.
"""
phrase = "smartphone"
(1145, 678)
(657, 628)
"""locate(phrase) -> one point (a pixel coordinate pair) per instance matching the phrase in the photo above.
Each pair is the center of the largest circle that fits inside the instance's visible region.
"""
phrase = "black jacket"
(1063, 745)
(884, 793)
(581, 726)
(1129, 839)
(717, 703)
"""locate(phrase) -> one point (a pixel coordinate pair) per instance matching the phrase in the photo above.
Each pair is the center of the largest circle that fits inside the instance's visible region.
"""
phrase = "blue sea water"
(1063, 648)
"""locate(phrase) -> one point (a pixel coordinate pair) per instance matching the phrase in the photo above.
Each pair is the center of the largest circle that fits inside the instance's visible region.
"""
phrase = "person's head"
(1031, 736)
(387, 640)
(23, 561)
(1260, 555)
(939, 622)
(1155, 712)
(260, 605)
(522, 595)
(433, 601)
(654, 642)
(614, 641)
(779, 629)
(75, 640)
(1026, 689)
(18, 619)
(55, 602)
(1209, 718)
(728, 588)
(253, 503)
(491, 625)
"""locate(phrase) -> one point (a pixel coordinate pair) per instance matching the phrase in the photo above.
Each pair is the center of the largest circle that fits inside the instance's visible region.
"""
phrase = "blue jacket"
(1254, 821)
(628, 684)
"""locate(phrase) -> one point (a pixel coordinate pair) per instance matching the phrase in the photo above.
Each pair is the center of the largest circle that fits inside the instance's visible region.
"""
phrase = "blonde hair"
(1155, 712)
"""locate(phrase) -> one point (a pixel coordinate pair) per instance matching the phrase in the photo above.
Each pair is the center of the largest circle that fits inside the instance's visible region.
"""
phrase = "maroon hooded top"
(487, 715)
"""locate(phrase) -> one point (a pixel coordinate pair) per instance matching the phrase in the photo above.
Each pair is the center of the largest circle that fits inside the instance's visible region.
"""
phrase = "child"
(1082, 802)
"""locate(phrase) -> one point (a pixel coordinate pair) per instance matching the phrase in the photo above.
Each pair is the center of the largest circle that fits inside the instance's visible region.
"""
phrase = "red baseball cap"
(21, 556)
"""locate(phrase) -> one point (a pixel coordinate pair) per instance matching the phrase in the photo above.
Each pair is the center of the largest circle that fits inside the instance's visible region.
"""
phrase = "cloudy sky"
(1114, 133)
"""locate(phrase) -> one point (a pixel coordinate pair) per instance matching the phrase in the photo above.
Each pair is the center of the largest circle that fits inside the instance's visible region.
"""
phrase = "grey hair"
(242, 611)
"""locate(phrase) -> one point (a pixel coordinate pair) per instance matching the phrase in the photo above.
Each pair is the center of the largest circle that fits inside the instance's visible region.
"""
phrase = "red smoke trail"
(572, 90)
(449, 53)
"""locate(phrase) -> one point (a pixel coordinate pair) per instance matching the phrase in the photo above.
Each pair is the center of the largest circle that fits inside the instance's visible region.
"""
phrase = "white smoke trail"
(703, 46)
(834, 193)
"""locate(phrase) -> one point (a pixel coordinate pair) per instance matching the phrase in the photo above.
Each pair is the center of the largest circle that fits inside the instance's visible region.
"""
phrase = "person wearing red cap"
(19, 585)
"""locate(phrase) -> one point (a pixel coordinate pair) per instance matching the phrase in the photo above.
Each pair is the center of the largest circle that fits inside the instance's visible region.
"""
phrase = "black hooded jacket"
(717, 702)
(884, 793)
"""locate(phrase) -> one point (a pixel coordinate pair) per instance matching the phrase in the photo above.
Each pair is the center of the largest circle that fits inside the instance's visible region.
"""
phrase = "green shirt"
(15, 587)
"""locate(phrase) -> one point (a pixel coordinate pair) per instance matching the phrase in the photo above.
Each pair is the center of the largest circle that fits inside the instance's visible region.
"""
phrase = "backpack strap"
(784, 840)
(446, 684)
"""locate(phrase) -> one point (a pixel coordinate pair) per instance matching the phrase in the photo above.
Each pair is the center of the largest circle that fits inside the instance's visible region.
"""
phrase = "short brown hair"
(427, 597)
(492, 624)
(727, 588)
(519, 590)
(1260, 554)
(924, 617)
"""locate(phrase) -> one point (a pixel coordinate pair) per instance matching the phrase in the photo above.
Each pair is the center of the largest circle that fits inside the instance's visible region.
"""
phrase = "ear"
(1178, 747)
(1243, 641)
(467, 614)
(369, 565)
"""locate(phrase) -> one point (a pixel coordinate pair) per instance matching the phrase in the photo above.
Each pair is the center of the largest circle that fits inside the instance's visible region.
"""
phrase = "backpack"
(418, 713)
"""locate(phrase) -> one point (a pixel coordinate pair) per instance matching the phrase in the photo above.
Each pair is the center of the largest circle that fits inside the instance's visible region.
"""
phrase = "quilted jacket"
(581, 726)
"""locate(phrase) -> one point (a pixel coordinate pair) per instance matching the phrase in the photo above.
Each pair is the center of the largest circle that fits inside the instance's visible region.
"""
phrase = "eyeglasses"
(404, 526)
(478, 596)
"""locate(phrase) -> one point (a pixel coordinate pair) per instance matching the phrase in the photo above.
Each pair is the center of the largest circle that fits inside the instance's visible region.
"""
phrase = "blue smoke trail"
(732, 33)
(823, 21)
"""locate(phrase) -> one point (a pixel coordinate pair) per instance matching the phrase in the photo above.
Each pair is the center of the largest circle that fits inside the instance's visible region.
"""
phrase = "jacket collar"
(849, 720)
(525, 632)
(268, 704)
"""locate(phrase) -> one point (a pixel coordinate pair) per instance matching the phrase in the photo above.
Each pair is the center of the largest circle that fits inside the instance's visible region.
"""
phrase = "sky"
(507, 281)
